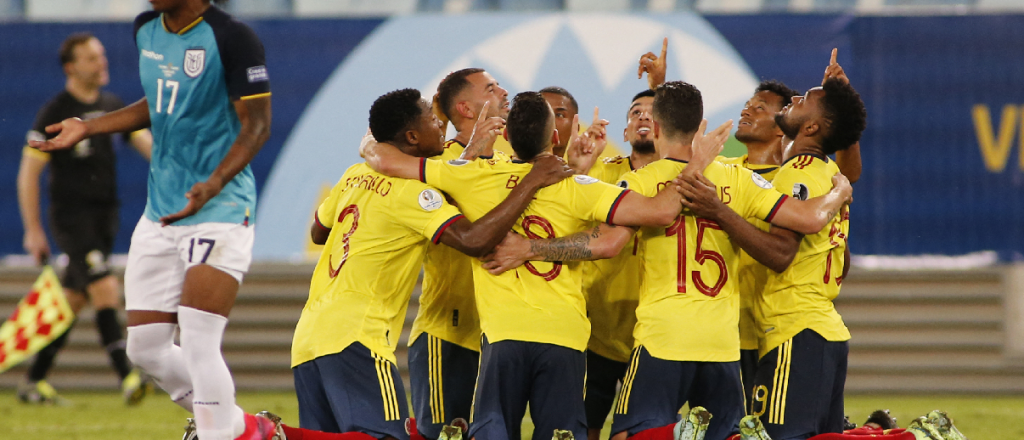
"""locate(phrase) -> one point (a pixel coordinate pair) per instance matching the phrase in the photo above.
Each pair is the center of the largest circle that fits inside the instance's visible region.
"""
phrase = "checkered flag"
(41, 316)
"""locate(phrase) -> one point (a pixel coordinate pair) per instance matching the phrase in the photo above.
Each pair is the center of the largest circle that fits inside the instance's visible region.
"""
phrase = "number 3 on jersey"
(350, 210)
(678, 229)
(173, 85)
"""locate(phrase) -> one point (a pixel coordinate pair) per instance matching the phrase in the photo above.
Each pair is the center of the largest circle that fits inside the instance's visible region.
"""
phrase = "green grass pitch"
(103, 416)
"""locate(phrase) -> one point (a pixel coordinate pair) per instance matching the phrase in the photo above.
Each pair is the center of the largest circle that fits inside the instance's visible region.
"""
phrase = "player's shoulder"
(228, 30)
(142, 19)
(808, 175)
(738, 160)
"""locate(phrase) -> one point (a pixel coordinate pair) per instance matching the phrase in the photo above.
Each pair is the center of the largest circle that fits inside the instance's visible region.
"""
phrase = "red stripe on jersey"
(775, 209)
(615, 206)
(316, 218)
(437, 235)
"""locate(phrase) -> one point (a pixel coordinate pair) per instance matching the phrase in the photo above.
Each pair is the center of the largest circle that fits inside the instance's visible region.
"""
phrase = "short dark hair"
(393, 113)
(67, 48)
(678, 108)
(451, 86)
(561, 91)
(778, 88)
(528, 123)
(844, 109)
(648, 93)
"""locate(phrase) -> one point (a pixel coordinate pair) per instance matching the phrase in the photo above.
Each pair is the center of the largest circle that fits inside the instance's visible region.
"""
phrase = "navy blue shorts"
(799, 388)
(513, 373)
(748, 373)
(443, 377)
(352, 391)
(655, 390)
(603, 377)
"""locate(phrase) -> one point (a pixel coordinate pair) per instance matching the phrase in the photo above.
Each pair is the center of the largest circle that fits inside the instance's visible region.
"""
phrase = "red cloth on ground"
(662, 433)
(309, 434)
(879, 435)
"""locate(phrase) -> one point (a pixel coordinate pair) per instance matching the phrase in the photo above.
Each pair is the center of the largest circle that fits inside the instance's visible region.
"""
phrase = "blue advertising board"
(943, 151)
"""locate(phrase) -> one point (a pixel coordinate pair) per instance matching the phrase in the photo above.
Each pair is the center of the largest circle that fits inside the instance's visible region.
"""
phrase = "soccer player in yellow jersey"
(798, 390)
(376, 230)
(533, 319)
(444, 345)
(687, 332)
(612, 286)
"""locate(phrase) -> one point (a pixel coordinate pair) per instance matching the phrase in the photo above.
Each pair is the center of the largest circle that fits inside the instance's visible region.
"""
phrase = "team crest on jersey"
(800, 191)
(431, 200)
(584, 179)
(195, 60)
(458, 162)
(760, 181)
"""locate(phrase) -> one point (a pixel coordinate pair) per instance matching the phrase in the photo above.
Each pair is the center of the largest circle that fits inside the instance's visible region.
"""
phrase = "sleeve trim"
(35, 154)
(316, 218)
(775, 209)
(256, 96)
(615, 206)
(437, 235)
(423, 169)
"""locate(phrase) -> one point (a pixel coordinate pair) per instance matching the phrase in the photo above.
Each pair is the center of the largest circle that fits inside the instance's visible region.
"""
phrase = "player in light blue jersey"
(208, 105)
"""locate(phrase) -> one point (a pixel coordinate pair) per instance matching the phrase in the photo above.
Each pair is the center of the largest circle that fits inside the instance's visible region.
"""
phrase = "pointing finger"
(835, 51)
(597, 117)
(664, 48)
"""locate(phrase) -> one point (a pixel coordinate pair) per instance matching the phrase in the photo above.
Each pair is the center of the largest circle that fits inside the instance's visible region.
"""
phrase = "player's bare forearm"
(128, 119)
(254, 114)
(318, 234)
(603, 241)
(658, 211)
(28, 192)
(388, 160)
(849, 162)
(774, 251)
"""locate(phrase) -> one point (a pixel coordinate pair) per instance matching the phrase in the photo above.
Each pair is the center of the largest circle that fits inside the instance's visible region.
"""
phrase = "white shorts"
(159, 256)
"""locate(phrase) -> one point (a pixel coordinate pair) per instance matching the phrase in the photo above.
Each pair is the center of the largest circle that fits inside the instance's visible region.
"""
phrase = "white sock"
(217, 416)
(151, 348)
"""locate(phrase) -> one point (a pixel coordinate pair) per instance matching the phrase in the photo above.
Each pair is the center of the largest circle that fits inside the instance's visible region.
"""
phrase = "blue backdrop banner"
(943, 152)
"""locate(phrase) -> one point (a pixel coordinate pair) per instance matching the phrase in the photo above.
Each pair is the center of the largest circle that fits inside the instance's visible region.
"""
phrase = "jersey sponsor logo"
(800, 191)
(760, 181)
(257, 74)
(431, 200)
(458, 162)
(195, 60)
(169, 69)
(584, 179)
(152, 55)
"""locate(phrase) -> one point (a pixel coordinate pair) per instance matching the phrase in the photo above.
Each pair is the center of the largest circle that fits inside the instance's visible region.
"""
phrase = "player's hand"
(700, 196)
(72, 131)
(654, 66)
(197, 197)
(509, 254)
(548, 170)
(842, 185)
(834, 70)
(485, 132)
(597, 134)
(366, 144)
(706, 147)
(37, 246)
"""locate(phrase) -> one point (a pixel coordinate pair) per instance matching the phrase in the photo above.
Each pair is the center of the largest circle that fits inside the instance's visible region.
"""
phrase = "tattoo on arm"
(572, 248)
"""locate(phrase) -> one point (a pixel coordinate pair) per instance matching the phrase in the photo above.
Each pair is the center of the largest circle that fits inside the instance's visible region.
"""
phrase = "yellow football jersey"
(689, 305)
(752, 275)
(801, 297)
(612, 286)
(539, 301)
(380, 227)
(447, 306)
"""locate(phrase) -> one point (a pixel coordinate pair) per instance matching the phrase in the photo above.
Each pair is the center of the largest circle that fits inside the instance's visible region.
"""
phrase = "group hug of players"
(705, 273)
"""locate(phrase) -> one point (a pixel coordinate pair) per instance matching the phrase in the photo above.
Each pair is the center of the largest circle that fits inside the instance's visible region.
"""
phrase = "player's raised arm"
(254, 115)
(849, 160)
(73, 130)
(478, 238)
(654, 65)
(603, 241)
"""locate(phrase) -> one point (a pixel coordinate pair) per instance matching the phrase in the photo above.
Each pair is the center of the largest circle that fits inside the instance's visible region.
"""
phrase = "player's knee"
(147, 345)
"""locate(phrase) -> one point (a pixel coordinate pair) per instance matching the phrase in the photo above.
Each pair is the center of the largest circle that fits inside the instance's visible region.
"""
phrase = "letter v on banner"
(995, 150)
(41, 316)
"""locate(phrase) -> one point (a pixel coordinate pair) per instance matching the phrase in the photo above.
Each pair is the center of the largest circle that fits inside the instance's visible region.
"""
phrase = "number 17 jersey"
(191, 78)
(689, 294)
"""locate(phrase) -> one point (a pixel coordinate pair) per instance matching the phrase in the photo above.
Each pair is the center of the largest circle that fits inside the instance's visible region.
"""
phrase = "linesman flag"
(41, 316)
